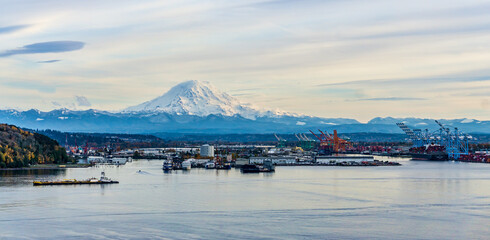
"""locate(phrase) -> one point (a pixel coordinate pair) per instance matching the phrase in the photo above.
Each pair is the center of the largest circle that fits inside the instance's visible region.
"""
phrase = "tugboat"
(102, 180)
(252, 168)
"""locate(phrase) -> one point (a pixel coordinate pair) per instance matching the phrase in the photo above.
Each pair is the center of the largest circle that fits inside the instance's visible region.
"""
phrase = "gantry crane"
(454, 142)
(331, 142)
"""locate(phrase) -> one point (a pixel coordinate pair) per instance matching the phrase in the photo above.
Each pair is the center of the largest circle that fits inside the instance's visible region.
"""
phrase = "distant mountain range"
(198, 107)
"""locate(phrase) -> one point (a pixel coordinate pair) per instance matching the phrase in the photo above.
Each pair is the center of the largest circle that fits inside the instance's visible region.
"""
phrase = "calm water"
(419, 200)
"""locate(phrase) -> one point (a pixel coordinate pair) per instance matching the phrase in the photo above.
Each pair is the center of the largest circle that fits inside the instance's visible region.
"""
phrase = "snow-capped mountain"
(198, 107)
(199, 99)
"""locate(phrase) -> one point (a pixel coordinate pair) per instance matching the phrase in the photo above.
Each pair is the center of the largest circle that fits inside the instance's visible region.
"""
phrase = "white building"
(274, 160)
(241, 161)
(207, 151)
(96, 159)
(117, 160)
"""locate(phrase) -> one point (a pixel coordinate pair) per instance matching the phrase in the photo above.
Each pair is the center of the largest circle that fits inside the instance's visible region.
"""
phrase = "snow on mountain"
(466, 120)
(197, 98)
(198, 107)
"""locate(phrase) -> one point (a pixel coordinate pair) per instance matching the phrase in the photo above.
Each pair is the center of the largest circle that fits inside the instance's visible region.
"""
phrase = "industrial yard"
(315, 148)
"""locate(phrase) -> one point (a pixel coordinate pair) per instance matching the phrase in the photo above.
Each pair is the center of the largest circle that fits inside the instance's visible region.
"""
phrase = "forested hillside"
(20, 148)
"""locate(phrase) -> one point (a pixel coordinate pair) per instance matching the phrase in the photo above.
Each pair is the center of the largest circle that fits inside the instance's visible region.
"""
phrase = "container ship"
(429, 153)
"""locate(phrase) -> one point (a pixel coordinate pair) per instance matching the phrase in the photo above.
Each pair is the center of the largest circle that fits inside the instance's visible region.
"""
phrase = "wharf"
(48, 166)
(373, 163)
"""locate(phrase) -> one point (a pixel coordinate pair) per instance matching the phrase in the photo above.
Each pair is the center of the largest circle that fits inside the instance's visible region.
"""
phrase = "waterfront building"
(281, 160)
(96, 159)
(241, 161)
(328, 159)
(207, 150)
(118, 160)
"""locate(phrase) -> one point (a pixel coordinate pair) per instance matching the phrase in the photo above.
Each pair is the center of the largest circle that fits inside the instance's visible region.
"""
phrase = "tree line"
(20, 148)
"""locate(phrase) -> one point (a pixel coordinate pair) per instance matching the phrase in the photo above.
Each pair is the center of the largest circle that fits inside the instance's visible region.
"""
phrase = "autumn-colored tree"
(20, 148)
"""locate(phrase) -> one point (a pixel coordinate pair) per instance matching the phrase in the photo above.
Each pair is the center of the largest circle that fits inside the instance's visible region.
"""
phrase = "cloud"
(393, 99)
(49, 61)
(10, 29)
(416, 80)
(272, 53)
(80, 101)
(83, 101)
(45, 47)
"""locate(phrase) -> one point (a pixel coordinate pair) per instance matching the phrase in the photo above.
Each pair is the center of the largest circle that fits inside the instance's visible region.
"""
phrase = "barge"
(102, 180)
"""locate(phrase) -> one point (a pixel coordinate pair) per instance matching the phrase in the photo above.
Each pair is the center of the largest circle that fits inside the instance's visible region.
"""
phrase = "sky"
(328, 58)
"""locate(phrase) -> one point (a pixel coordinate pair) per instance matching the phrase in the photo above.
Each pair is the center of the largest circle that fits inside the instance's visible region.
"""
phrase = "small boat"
(223, 167)
(210, 165)
(186, 165)
(167, 165)
(102, 180)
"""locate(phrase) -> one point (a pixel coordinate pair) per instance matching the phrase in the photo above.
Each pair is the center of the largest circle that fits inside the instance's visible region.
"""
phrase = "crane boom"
(278, 139)
(326, 137)
(442, 126)
(296, 135)
(407, 130)
(316, 135)
(305, 137)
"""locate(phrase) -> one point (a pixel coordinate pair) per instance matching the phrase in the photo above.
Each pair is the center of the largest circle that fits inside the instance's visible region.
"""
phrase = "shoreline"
(47, 166)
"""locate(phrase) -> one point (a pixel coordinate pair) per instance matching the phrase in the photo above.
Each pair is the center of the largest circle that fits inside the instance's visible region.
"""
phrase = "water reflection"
(26, 176)
(31, 172)
(268, 174)
(222, 172)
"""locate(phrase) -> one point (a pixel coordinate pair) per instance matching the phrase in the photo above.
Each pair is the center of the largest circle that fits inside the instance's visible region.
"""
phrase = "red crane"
(334, 143)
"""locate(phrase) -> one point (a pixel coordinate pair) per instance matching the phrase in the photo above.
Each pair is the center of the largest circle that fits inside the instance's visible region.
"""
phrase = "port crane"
(306, 137)
(331, 142)
(454, 141)
(304, 142)
(281, 141)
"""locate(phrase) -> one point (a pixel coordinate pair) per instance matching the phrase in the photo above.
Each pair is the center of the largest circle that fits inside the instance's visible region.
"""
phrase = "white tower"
(207, 151)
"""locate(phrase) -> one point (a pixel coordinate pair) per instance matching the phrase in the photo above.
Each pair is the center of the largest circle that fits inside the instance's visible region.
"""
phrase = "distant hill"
(20, 148)
(112, 140)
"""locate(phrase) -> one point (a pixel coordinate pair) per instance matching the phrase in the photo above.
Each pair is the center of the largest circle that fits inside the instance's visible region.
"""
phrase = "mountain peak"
(195, 97)
(193, 83)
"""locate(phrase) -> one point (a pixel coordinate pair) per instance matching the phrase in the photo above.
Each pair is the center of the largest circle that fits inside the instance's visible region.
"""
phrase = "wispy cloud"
(82, 101)
(10, 29)
(415, 80)
(393, 99)
(298, 56)
(45, 47)
(49, 61)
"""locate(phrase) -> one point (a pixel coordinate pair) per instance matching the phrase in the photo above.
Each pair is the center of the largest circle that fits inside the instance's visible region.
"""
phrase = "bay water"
(418, 200)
